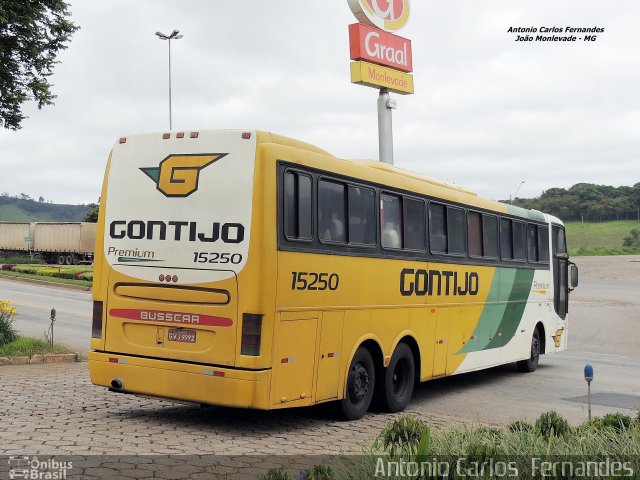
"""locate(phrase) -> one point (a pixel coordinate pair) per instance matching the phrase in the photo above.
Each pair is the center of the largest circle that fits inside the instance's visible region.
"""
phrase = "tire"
(69, 259)
(530, 365)
(361, 380)
(399, 379)
(61, 259)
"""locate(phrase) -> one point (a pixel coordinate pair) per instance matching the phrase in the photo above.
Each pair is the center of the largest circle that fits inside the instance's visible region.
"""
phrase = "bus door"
(560, 272)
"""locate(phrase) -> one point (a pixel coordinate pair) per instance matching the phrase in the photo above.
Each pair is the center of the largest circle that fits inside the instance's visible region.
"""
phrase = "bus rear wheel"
(531, 364)
(399, 379)
(361, 380)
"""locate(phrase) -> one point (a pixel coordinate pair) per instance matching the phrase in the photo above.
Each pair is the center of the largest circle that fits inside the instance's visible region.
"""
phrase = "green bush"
(617, 421)
(276, 474)
(521, 426)
(552, 424)
(318, 472)
(405, 435)
(26, 269)
(7, 332)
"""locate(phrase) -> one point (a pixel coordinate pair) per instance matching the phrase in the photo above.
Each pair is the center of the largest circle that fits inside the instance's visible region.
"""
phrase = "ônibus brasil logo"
(178, 175)
(389, 15)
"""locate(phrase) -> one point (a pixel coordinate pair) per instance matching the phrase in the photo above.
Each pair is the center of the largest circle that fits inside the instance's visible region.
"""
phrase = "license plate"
(182, 335)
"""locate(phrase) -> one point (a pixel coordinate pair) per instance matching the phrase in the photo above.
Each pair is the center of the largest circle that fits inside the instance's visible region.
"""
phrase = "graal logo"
(389, 15)
(178, 175)
(28, 468)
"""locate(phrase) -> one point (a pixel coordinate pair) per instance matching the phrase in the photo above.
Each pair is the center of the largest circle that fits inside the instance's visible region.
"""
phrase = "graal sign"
(389, 15)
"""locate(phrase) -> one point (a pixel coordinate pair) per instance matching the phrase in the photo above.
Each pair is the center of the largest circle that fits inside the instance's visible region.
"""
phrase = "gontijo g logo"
(178, 175)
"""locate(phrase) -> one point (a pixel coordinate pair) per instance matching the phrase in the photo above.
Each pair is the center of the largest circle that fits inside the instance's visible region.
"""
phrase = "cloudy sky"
(488, 112)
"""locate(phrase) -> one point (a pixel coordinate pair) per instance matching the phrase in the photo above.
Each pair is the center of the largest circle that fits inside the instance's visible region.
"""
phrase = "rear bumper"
(182, 381)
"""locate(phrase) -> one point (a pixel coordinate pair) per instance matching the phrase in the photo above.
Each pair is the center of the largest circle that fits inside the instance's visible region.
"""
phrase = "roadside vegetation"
(464, 449)
(27, 347)
(81, 275)
(7, 332)
(14, 345)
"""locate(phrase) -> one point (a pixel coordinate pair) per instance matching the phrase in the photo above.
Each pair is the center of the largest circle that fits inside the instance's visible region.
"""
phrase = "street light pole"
(175, 35)
(517, 190)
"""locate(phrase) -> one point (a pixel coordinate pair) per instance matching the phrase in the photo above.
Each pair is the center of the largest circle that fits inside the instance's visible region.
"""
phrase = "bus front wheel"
(531, 364)
(399, 379)
(360, 383)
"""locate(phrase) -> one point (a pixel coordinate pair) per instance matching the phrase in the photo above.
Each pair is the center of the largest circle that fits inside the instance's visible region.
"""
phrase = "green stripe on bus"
(492, 312)
(503, 309)
(517, 302)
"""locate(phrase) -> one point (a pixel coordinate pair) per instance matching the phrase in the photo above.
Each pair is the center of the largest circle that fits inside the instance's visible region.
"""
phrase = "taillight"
(251, 334)
(96, 324)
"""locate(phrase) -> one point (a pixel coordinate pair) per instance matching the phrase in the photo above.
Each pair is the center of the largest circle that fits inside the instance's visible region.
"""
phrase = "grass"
(66, 281)
(26, 347)
(601, 238)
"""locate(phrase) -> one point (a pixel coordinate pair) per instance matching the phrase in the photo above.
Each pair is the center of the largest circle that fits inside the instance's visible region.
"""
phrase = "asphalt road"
(603, 331)
(33, 303)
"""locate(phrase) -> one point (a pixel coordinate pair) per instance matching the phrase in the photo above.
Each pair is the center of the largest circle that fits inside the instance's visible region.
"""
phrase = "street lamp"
(517, 190)
(175, 35)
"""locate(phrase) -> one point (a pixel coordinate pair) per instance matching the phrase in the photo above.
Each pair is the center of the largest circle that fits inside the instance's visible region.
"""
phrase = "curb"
(40, 359)
(44, 283)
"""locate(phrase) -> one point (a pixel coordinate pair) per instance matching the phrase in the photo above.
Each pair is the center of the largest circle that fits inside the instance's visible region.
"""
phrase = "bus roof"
(380, 172)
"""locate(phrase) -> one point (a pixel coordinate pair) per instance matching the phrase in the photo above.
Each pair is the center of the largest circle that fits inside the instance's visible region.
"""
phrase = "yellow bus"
(247, 269)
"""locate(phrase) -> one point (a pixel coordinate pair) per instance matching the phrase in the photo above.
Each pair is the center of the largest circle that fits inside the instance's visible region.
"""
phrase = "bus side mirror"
(573, 274)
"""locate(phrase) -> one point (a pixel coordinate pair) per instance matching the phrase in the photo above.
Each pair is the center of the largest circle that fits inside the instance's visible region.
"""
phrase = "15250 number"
(314, 281)
(214, 257)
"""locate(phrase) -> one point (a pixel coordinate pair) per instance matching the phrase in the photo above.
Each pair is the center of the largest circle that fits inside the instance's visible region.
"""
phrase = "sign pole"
(385, 126)
(382, 60)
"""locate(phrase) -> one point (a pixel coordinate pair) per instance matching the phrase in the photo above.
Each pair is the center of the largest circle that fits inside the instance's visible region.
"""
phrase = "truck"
(65, 243)
(16, 237)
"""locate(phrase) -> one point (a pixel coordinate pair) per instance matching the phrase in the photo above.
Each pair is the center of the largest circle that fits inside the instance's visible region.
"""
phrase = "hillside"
(26, 210)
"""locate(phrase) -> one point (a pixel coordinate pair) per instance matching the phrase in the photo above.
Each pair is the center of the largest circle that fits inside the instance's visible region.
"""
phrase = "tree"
(32, 32)
(92, 214)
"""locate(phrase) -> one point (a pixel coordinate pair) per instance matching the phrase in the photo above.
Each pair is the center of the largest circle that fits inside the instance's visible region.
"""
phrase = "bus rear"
(174, 230)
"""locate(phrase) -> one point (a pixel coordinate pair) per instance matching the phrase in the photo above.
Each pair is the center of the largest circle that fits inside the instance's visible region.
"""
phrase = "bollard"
(53, 319)
(588, 376)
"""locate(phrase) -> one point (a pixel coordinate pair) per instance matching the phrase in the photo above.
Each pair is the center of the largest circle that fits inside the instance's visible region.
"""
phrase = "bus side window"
(519, 240)
(391, 221)
(543, 244)
(506, 239)
(362, 216)
(331, 211)
(455, 231)
(490, 236)
(414, 224)
(474, 234)
(297, 206)
(437, 228)
(532, 242)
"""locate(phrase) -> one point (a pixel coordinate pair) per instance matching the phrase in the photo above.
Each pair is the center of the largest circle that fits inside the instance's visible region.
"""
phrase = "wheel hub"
(360, 384)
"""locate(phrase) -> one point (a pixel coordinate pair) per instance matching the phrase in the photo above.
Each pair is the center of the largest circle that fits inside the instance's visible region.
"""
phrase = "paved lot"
(54, 409)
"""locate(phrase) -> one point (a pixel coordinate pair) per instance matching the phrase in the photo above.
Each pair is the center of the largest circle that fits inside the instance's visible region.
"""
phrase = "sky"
(488, 112)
